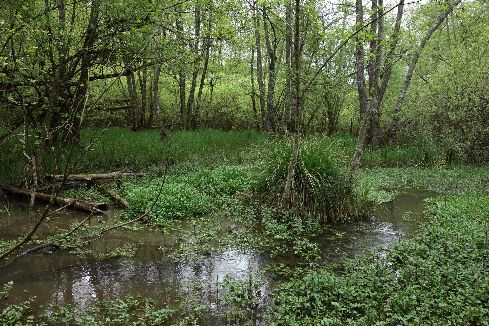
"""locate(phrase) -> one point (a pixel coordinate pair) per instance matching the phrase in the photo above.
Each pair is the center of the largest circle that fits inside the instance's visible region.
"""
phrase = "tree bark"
(360, 62)
(181, 81)
(195, 73)
(133, 95)
(253, 89)
(259, 65)
(297, 103)
(288, 53)
(272, 59)
(156, 109)
(202, 83)
(85, 65)
(122, 202)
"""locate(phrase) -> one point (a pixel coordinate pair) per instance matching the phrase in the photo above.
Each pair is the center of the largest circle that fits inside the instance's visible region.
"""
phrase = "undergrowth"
(439, 277)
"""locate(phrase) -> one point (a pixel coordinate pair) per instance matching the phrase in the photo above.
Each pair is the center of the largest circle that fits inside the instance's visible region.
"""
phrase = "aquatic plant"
(439, 277)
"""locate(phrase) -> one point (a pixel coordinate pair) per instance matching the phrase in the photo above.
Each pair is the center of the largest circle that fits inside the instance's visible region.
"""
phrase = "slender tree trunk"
(143, 82)
(288, 76)
(394, 127)
(253, 89)
(287, 199)
(181, 80)
(360, 63)
(195, 73)
(272, 59)
(85, 65)
(133, 95)
(202, 83)
(155, 97)
(259, 65)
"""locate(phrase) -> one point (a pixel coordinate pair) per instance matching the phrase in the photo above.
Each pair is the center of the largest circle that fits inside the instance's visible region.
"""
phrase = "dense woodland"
(249, 125)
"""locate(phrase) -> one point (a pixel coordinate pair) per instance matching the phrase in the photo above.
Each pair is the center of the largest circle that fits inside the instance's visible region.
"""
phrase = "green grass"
(320, 185)
(121, 149)
(439, 277)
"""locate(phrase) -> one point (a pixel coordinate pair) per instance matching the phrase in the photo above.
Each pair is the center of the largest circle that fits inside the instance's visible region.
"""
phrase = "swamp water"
(62, 278)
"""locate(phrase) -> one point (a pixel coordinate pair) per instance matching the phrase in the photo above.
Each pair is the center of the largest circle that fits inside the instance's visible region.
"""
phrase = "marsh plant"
(320, 187)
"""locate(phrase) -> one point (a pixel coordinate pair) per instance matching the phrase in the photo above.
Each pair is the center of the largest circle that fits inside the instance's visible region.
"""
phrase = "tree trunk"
(92, 177)
(253, 90)
(133, 95)
(155, 95)
(195, 73)
(394, 127)
(143, 82)
(181, 81)
(360, 62)
(202, 83)
(259, 65)
(85, 65)
(297, 103)
(86, 206)
(272, 59)
(288, 52)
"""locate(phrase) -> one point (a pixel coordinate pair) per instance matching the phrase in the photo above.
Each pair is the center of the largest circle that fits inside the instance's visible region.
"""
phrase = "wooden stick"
(112, 194)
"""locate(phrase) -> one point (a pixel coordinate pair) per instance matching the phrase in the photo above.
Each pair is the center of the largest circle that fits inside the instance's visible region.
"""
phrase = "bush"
(177, 200)
(320, 187)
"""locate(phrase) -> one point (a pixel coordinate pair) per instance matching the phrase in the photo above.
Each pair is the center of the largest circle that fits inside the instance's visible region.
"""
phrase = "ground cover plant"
(438, 277)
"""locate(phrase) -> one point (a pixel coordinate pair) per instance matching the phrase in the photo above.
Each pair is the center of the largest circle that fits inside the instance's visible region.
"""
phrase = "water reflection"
(61, 278)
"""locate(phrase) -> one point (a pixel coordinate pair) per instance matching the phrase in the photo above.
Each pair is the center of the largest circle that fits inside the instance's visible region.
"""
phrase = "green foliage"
(225, 180)
(127, 311)
(438, 277)
(241, 300)
(291, 235)
(321, 188)
(14, 314)
(173, 200)
(455, 179)
(419, 154)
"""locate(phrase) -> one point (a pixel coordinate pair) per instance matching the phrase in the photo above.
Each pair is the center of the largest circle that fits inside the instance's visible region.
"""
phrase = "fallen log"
(92, 177)
(53, 246)
(82, 205)
(112, 194)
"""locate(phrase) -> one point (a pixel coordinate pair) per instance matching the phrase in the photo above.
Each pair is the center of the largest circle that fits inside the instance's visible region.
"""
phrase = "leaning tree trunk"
(86, 63)
(394, 127)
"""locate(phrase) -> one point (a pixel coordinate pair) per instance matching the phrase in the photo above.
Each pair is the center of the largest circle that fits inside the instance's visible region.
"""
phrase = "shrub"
(320, 187)
(177, 200)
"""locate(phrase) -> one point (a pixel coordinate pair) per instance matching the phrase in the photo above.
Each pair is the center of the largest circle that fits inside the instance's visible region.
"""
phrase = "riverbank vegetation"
(248, 151)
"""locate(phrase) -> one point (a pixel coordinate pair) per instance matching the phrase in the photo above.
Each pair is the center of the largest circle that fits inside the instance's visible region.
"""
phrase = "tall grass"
(320, 186)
